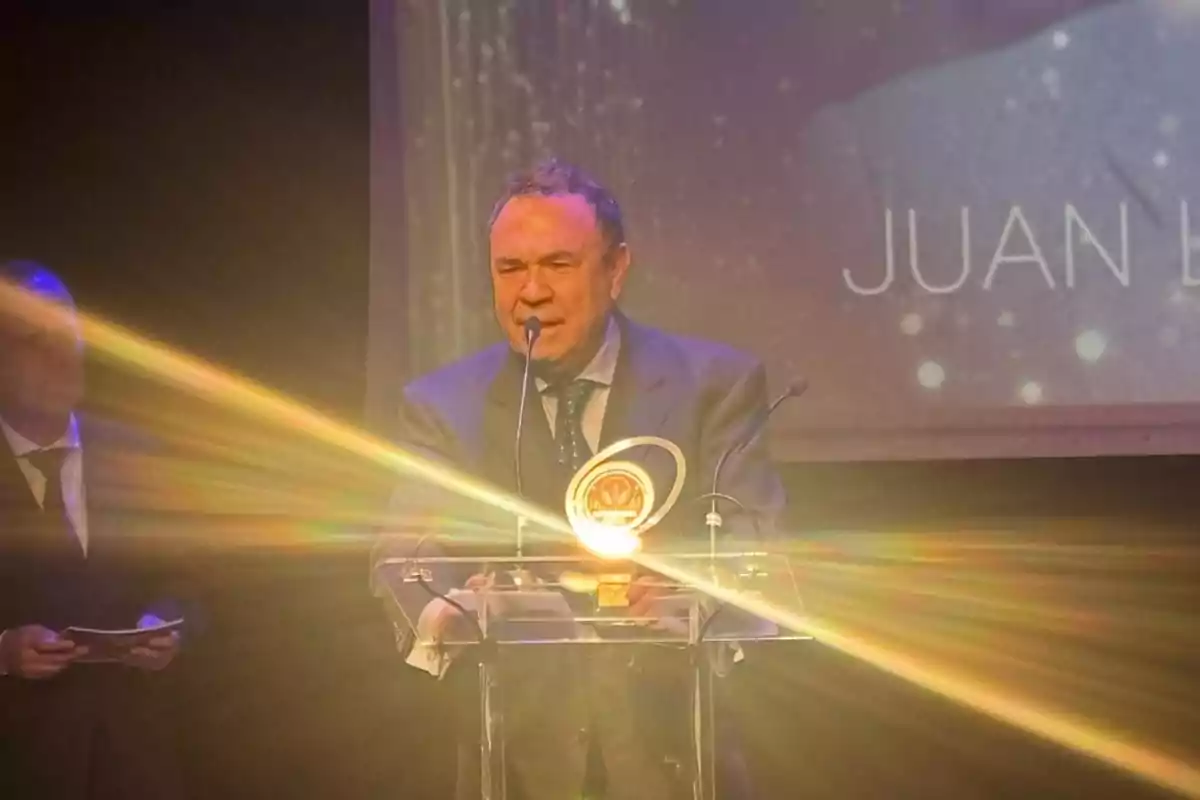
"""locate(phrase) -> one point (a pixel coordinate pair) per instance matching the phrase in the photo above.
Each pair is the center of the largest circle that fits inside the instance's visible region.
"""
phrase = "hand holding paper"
(151, 646)
(158, 651)
(36, 652)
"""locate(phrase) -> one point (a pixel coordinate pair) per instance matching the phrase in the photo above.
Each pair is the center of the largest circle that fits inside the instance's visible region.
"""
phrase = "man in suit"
(558, 252)
(68, 730)
(1085, 123)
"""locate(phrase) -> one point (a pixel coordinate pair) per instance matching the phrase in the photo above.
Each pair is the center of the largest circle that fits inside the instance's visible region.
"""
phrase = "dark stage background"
(199, 172)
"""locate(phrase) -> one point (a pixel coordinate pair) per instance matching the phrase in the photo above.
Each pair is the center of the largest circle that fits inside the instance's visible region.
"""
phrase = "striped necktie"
(573, 449)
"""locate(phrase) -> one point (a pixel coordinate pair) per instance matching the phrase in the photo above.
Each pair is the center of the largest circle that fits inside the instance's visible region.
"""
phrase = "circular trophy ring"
(616, 498)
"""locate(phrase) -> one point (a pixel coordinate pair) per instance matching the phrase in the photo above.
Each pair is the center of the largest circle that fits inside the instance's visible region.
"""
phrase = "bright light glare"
(607, 542)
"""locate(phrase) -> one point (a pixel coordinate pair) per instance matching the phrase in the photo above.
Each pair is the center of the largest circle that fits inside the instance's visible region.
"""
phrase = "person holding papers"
(558, 253)
(77, 720)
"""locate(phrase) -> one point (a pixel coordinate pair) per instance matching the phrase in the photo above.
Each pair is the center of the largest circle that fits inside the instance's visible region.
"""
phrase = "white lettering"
(914, 263)
(1033, 257)
(1078, 235)
(1072, 220)
(890, 275)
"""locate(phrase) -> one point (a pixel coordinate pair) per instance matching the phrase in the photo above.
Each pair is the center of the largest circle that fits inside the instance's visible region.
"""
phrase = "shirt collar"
(603, 366)
(22, 447)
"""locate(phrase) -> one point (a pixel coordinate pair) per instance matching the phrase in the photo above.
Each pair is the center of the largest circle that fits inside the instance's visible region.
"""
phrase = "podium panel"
(707, 604)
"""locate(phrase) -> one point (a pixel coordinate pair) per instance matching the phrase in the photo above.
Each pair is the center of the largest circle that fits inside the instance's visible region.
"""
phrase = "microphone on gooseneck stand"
(796, 388)
(533, 329)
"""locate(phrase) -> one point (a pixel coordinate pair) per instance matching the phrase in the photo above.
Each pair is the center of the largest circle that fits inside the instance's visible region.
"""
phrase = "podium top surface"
(579, 599)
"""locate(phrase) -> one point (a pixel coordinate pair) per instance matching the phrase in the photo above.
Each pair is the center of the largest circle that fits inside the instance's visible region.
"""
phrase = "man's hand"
(158, 652)
(36, 653)
(643, 592)
(448, 621)
(477, 582)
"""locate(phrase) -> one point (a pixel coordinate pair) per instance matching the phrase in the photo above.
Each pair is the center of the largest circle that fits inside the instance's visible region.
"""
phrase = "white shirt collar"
(603, 366)
(23, 447)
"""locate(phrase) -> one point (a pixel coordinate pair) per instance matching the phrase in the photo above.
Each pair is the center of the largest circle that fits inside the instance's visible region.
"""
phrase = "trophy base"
(612, 590)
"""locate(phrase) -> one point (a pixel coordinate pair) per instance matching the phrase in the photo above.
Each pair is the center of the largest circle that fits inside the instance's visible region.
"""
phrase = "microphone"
(795, 388)
(533, 329)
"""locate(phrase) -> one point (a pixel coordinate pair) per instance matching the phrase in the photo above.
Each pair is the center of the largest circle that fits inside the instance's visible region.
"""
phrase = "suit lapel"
(18, 510)
(539, 467)
(650, 385)
(15, 493)
(639, 404)
(640, 400)
(22, 522)
(92, 485)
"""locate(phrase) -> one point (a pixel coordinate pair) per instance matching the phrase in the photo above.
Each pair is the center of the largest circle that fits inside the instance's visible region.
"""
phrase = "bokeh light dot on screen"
(931, 375)
(1161, 159)
(1169, 125)
(911, 324)
(1031, 393)
(622, 10)
(1052, 81)
(1006, 319)
(1090, 345)
(1061, 39)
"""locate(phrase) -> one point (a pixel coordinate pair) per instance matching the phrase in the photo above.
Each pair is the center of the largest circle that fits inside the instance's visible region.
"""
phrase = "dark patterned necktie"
(573, 449)
(54, 507)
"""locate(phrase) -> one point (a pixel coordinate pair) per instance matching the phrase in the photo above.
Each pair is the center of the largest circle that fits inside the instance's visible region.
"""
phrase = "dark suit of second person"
(68, 731)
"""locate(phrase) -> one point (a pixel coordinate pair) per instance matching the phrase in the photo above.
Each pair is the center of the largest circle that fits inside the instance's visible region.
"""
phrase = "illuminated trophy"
(610, 503)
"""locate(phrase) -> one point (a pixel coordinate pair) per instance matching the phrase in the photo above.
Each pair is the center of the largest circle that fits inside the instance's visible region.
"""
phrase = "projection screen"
(974, 227)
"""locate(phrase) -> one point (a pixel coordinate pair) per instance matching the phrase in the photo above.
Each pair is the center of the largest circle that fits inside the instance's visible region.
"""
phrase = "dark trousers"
(92, 733)
(587, 721)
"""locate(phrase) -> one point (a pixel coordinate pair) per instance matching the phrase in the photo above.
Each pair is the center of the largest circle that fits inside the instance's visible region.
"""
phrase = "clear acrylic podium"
(712, 604)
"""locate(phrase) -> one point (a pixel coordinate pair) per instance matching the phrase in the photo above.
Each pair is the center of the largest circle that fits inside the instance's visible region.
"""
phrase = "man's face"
(550, 261)
(41, 373)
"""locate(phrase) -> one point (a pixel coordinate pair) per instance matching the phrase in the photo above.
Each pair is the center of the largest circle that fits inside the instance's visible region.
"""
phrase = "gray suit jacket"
(700, 395)
(1095, 112)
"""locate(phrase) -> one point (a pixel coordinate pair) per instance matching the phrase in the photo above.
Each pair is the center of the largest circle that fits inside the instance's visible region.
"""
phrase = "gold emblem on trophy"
(622, 496)
(610, 503)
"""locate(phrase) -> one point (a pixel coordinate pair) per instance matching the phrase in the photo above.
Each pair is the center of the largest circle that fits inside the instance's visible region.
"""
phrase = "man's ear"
(619, 260)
